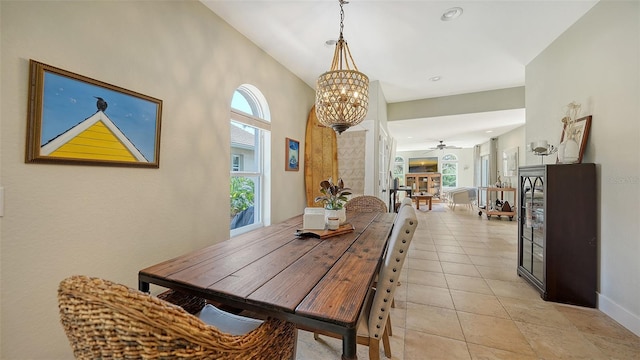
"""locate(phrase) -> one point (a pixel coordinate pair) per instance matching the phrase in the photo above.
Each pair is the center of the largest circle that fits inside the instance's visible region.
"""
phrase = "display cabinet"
(557, 233)
(424, 182)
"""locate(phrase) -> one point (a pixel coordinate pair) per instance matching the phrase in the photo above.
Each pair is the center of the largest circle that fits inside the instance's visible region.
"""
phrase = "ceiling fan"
(442, 145)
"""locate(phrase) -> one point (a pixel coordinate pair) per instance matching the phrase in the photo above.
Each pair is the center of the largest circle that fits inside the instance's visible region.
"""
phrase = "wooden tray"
(323, 234)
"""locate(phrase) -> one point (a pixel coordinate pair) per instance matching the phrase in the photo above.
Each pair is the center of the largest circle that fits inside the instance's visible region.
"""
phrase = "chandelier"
(342, 93)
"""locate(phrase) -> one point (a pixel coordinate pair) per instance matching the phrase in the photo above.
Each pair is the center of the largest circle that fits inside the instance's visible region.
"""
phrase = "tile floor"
(460, 298)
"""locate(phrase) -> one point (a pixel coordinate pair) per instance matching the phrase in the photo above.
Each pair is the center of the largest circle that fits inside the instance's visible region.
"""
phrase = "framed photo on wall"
(73, 119)
(292, 155)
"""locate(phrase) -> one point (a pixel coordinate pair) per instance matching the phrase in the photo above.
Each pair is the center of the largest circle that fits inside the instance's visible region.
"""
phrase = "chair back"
(401, 235)
(107, 320)
(366, 203)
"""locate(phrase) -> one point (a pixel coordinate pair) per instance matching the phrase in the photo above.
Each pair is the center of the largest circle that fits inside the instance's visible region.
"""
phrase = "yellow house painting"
(95, 138)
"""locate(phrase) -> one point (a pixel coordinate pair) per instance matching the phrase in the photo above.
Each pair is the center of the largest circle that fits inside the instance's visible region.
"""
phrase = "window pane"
(244, 142)
(243, 196)
(449, 168)
(449, 180)
(241, 103)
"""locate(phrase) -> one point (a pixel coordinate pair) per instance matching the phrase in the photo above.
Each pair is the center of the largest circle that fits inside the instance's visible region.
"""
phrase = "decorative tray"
(323, 234)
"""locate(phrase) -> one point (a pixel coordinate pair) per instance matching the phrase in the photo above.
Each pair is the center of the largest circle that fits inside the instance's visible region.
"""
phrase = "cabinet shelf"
(557, 237)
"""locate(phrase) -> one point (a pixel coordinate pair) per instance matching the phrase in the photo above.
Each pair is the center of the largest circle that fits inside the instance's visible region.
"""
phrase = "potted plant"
(333, 198)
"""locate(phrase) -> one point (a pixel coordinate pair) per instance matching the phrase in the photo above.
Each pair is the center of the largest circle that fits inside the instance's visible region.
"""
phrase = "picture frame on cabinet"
(577, 130)
(76, 120)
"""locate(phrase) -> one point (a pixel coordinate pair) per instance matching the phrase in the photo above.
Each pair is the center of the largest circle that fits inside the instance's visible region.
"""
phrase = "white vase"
(571, 151)
(561, 153)
(340, 214)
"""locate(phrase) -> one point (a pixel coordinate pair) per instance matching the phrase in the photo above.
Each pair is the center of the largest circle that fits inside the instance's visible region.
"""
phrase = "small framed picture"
(73, 119)
(292, 155)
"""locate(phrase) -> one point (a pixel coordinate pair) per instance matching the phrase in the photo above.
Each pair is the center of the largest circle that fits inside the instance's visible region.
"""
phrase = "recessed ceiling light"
(451, 14)
(489, 131)
(435, 78)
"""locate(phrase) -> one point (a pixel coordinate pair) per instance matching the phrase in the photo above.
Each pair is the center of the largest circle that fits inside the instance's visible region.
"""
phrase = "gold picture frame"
(68, 121)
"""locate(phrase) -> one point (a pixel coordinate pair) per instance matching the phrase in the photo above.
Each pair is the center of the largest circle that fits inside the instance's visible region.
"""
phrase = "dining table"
(316, 283)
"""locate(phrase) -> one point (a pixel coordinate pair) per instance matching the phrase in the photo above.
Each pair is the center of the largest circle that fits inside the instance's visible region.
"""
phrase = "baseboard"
(619, 314)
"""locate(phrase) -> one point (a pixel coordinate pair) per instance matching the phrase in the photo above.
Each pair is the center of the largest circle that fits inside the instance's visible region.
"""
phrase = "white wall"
(108, 221)
(595, 63)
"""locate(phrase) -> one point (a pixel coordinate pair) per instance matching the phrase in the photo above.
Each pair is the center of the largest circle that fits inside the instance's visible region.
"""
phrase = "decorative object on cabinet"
(574, 140)
(557, 232)
(292, 155)
(542, 148)
(492, 208)
(68, 121)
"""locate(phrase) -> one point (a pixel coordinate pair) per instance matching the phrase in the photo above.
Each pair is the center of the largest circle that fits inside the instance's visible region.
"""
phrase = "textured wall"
(351, 163)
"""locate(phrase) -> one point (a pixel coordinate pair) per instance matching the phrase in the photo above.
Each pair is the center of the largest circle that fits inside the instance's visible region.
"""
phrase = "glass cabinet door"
(423, 184)
(411, 182)
(532, 225)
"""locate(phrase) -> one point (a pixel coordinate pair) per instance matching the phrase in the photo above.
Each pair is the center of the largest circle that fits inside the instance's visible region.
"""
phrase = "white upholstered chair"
(373, 324)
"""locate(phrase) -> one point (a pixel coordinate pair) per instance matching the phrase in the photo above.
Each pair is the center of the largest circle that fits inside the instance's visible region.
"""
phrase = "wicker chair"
(366, 203)
(374, 325)
(104, 320)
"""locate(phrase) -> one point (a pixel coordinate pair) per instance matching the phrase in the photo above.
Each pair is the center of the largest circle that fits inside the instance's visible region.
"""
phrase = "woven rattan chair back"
(366, 203)
(104, 320)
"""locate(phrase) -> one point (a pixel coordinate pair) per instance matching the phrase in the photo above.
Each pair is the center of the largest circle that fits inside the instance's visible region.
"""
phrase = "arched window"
(449, 171)
(250, 156)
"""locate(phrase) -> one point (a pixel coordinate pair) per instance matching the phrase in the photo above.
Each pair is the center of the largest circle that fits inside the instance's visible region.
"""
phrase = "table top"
(423, 195)
(272, 271)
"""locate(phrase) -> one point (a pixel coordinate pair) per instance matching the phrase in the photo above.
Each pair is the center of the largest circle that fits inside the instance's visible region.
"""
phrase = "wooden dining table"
(315, 283)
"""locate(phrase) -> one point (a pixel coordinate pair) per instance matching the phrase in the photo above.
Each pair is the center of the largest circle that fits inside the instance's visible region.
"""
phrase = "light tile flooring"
(460, 298)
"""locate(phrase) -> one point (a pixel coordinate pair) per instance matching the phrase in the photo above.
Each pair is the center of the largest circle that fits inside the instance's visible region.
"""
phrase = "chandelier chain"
(342, 2)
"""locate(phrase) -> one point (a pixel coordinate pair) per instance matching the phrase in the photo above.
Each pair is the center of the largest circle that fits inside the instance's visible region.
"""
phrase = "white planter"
(340, 214)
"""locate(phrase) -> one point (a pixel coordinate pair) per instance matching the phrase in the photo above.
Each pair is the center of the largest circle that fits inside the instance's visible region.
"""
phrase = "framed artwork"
(510, 162)
(292, 155)
(578, 131)
(73, 119)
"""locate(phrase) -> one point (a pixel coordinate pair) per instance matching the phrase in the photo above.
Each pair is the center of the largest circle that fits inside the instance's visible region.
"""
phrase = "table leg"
(143, 286)
(349, 345)
(429, 203)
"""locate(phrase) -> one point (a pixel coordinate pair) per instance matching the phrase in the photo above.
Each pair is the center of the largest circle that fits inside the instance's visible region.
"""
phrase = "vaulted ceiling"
(405, 44)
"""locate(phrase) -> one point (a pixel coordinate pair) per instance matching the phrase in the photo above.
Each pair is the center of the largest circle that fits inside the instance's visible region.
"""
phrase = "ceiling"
(403, 44)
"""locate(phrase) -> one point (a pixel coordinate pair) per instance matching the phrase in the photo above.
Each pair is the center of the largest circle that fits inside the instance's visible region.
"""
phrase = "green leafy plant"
(333, 195)
(242, 194)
